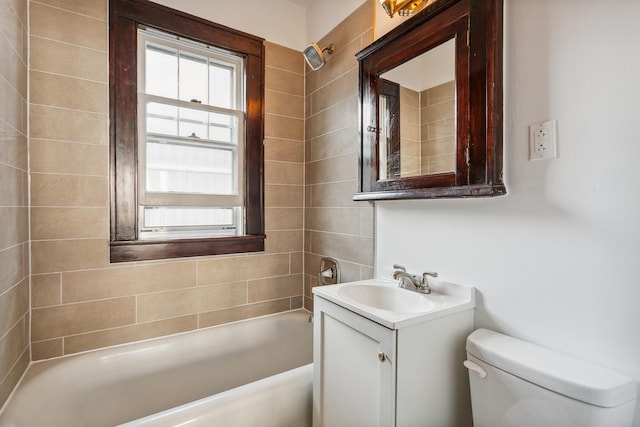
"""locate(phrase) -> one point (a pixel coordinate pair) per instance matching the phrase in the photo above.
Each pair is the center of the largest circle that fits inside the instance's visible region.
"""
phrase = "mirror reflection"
(417, 123)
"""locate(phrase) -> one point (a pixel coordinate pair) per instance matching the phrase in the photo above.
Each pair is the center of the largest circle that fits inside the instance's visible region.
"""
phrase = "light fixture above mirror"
(404, 7)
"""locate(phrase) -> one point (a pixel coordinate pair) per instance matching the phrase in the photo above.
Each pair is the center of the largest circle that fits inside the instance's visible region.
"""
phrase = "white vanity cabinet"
(354, 378)
(367, 374)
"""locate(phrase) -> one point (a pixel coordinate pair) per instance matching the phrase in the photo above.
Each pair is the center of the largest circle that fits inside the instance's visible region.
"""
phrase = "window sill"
(144, 250)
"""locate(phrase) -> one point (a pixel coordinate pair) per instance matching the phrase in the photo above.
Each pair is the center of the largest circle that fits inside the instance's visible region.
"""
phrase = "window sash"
(148, 197)
(158, 226)
(219, 57)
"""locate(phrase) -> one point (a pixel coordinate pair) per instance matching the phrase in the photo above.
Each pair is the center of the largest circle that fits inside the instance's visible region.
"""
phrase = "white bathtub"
(283, 400)
(128, 382)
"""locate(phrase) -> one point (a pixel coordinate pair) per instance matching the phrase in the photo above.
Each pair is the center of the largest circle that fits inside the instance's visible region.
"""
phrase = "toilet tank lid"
(569, 376)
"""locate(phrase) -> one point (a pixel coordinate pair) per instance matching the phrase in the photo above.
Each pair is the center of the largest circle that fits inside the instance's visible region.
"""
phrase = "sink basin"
(384, 302)
(390, 298)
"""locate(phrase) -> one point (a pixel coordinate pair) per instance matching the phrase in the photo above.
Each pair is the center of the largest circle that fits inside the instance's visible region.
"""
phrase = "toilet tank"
(515, 383)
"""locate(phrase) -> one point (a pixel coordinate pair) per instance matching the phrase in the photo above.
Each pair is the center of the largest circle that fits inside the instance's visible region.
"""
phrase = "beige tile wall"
(437, 133)
(14, 219)
(79, 300)
(410, 156)
(334, 224)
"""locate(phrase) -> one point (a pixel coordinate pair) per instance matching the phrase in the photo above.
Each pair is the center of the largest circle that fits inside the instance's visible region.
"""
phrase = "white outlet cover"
(543, 141)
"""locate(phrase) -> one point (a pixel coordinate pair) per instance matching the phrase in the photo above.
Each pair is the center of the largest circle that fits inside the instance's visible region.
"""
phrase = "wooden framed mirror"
(431, 105)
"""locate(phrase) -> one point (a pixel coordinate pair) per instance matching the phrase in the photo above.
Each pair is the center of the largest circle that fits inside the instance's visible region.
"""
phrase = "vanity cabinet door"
(354, 369)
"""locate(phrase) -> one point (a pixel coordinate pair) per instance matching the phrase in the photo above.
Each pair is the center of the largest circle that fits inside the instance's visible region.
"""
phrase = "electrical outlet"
(543, 142)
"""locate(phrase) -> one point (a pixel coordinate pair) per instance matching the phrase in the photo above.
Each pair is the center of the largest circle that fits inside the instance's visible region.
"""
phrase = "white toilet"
(515, 383)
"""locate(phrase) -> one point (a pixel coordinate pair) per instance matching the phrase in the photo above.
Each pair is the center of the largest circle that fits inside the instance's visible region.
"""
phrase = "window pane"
(162, 118)
(177, 216)
(189, 168)
(220, 86)
(221, 128)
(193, 78)
(161, 74)
(190, 122)
(193, 123)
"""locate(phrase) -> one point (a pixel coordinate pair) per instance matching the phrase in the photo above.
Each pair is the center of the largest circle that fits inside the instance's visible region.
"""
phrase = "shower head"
(315, 56)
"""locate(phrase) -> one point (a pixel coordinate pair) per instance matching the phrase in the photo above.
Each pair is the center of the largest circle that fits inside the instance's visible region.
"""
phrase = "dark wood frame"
(477, 28)
(125, 17)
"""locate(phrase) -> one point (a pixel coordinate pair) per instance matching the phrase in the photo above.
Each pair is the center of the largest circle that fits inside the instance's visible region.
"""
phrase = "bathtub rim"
(34, 367)
(304, 371)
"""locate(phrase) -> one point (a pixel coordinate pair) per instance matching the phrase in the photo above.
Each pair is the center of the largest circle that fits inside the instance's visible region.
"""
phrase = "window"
(186, 135)
(190, 139)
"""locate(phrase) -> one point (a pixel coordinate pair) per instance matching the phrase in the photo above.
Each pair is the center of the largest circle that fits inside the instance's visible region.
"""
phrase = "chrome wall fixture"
(404, 7)
(329, 271)
(315, 56)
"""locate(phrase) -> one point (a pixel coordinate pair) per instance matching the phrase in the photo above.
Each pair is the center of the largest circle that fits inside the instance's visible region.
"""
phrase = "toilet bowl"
(515, 383)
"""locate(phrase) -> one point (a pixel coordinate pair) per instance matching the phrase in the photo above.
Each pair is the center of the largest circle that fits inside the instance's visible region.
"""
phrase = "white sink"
(390, 298)
(384, 302)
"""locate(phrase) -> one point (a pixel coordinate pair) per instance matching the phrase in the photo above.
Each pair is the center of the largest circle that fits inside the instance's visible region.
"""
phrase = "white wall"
(324, 16)
(432, 68)
(293, 24)
(557, 260)
(278, 21)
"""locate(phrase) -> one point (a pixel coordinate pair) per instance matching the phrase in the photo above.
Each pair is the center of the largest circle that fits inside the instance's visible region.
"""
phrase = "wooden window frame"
(125, 17)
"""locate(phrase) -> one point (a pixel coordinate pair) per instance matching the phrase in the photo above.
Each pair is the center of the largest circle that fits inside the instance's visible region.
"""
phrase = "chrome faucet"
(420, 284)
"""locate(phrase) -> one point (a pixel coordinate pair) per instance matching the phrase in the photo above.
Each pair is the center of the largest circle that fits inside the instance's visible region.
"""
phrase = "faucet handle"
(399, 267)
(424, 277)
